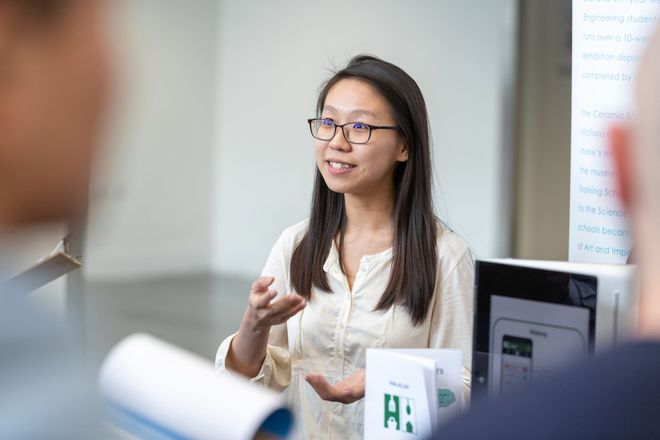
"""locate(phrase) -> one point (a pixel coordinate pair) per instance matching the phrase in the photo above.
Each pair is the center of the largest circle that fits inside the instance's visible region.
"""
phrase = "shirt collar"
(332, 262)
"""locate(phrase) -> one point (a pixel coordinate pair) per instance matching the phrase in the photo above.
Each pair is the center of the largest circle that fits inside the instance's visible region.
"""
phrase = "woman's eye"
(359, 126)
(327, 122)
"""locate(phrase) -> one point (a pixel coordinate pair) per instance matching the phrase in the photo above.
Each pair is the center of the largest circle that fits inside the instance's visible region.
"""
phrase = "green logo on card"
(400, 414)
(446, 398)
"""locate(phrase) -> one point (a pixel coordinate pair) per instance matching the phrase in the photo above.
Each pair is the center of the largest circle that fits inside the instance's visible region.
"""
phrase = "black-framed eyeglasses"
(354, 132)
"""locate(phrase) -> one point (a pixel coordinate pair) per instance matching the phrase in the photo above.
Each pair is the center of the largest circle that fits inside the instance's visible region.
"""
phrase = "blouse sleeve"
(275, 371)
(451, 322)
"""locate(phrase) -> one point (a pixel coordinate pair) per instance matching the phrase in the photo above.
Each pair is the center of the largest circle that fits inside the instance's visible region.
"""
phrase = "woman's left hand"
(347, 391)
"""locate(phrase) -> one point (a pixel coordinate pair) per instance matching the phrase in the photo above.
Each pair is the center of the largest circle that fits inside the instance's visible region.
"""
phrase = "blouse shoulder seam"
(457, 248)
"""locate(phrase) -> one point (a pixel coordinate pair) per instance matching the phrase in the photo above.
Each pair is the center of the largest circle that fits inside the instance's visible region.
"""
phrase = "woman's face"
(366, 169)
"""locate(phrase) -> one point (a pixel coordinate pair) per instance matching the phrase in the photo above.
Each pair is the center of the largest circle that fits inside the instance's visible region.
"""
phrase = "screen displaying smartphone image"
(516, 371)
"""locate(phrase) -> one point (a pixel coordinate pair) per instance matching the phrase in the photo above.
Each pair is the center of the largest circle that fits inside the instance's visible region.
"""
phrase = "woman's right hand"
(248, 348)
(262, 314)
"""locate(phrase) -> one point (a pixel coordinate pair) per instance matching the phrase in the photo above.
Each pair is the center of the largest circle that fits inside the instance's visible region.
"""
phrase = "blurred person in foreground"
(615, 395)
(53, 81)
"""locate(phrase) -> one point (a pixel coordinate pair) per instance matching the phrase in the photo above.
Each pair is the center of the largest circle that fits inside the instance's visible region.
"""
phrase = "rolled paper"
(156, 390)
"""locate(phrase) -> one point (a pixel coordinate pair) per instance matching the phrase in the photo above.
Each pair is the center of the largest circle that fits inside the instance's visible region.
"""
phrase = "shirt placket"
(348, 306)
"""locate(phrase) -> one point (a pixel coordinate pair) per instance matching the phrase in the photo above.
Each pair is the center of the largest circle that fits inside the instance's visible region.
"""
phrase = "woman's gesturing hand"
(248, 349)
(347, 391)
(262, 314)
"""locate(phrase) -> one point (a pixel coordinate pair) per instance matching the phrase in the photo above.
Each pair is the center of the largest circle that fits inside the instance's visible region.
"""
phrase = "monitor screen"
(529, 324)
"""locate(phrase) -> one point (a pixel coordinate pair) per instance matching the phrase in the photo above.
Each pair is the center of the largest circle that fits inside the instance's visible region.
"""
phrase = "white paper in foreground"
(157, 390)
(409, 392)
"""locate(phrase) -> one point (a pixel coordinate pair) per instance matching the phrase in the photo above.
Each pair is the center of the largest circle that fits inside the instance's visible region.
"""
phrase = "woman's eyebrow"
(356, 112)
(329, 108)
(363, 113)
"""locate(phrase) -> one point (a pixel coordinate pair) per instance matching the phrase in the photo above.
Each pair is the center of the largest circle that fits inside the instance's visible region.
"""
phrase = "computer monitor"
(535, 318)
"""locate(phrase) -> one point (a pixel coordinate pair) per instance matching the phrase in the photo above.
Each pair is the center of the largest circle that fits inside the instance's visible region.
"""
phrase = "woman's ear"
(403, 153)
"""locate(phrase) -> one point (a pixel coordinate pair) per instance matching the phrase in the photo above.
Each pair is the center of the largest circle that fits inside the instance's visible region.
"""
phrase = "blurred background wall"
(154, 195)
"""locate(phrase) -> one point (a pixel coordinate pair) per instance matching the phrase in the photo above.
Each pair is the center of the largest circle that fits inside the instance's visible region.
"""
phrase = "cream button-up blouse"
(331, 335)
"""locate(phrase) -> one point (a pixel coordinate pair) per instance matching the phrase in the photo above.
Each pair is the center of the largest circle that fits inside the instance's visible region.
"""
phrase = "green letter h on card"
(399, 414)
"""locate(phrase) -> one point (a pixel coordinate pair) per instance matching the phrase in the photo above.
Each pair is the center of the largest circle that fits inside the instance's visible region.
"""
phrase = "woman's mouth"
(339, 167)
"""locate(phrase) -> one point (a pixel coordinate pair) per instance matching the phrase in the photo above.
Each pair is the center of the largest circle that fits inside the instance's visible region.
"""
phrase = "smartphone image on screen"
(516, 371)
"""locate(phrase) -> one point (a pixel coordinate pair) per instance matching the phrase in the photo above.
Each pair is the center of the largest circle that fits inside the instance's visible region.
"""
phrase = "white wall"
(155, 213)
(275, 55)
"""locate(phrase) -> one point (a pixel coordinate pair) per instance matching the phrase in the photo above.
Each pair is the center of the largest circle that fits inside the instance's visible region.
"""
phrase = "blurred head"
(396, 162)
(637, 155)
(53, 74)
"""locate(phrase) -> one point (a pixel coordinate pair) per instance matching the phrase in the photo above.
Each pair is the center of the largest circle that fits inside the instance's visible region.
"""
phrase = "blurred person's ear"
(620, 145)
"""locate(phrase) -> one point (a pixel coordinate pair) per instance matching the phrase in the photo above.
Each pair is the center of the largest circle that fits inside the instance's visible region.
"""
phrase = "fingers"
(288, 304)
(321, 386)
(262, 301)
(355, 385)
(286, 310)
(349, 390)
(260, 294)
(262, 284)
(292, 313)
(263, 313)
(258, 301)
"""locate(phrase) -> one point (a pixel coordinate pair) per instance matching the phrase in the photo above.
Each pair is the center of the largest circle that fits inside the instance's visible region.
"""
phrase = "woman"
(372, 267)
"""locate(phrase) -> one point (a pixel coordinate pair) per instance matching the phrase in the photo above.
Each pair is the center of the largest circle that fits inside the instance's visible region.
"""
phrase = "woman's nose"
(339, 142)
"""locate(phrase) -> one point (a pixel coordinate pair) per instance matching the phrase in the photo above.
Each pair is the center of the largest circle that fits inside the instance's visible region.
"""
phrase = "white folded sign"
(409, 392)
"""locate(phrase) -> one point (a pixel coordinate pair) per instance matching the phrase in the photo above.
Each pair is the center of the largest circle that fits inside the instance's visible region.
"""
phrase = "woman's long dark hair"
(415, 259)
